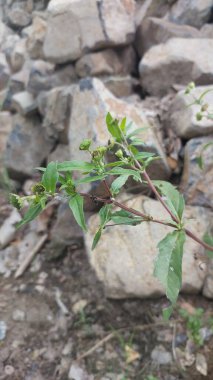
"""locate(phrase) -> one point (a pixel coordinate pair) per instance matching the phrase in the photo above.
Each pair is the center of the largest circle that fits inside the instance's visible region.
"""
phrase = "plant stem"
(192, 236)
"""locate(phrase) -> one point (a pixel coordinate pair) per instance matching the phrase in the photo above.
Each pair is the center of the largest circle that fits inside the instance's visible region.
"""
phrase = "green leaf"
(123, 125)
(168, 264)
(32, 212)
(174, 199)
(167, 312)
(199, 159)
(208, 239)
(50, 177)
(90, 179)
(118, 183)
(144, 155)
(123, 171)
(113, 127)
(96, 238)
(136, 132)
(75, 165)
(76, 204)
(105, 214)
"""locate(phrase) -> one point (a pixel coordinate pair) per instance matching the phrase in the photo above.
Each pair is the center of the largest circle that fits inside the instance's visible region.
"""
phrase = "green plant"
(131, 161)
(194, 322)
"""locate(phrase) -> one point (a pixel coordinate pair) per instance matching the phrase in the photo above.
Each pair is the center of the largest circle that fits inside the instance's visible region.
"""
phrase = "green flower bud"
(119, 153)
(38, 188)
(16, 201)
(199, 116)
(190, 87)
(204, 107)
(85, 145)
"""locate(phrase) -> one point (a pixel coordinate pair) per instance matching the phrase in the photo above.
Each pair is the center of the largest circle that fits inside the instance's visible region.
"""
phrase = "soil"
(44, 339)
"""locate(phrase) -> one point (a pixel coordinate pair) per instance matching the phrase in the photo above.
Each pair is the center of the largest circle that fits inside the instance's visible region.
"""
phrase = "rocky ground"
(63, 66)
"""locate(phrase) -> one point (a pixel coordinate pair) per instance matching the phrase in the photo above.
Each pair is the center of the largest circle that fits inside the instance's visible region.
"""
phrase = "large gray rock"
(182, 119)
(197, 183)
(207, 31)
(191, 12)
(176, 62)
(90, 103)
(17, 56)
(107, 62)
(18, 18)
(24, 103)
(151, 8)
(36, 37)
(154, 31)
(124, 257)
(120, 85)
(86, 25)
(27, 147)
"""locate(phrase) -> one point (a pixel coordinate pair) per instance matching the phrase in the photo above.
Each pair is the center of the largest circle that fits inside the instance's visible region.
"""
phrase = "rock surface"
(182, 119)
(154, 31)
(22, 154)
(191, 12)
(197, 183)
(176, 62)
(124, 257)
(82, 27)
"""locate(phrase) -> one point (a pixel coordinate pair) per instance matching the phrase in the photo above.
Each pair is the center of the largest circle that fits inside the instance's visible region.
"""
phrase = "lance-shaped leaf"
(105, 215)
(168, 264)
(32, 212)
(97, 238)
(75, 165)
(125, 217)
(76, 203)
(123, 171)
(118, 183)
(113, 127)
(90, 179)
(50, 177)
(174, 199)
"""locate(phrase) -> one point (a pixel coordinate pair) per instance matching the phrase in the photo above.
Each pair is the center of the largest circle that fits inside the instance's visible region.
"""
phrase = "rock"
(120, 86)
(176, 62)
(106, 62)
(124, 257)
(5, 129)
(160, 356)
(8, 229)
(207, 31)
(64, 233)
(60, 154)
(8, 260)
(78, 373)
(18, 81)
(196, 183)
(154, 31)
(182, 119)
(54, 106)
(24, 103)
(18, 18)
(4, 72)
(79, 306)
(86, 26)
(191, 12)
(44, 77)
(151, 8)
(27, 147)
(4, 32)
(17, 56)
(208, 287)
(90, 102)
(3, 330)
(36, 38)
(19, 315)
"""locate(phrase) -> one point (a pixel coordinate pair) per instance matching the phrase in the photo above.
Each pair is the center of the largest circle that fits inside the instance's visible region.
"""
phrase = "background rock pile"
(63, 66)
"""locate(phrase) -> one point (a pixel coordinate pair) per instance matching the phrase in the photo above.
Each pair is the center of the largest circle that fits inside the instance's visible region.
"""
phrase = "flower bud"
(16, 201)
(38, 188)
(199, 116)
(85, 145)
(119, 153)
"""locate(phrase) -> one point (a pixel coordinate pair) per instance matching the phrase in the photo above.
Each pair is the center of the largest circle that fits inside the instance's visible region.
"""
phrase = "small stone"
(77, 373)
(9, 370)
(3, 330)
(201, 364)
(67, 350)
(19, 315)
(18, 18)
(79, 306)
(160, 356)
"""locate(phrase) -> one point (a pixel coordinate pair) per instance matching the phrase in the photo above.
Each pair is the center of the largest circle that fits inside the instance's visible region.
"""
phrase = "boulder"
(4, 72)
(154, 31)
(5, 129)
(24, 103)
(176, 62)
(36, 37)
(27, 147)
(54, 106)
(43, 76)
(86, 26)
(207, 31)
(191, 12)
(182, 119)
(60, 153)
(124, 257)
(151, 8)
(120, 85)
(106, 62)
(18, 18)
(90, 102)
(197, 183)
(17, 56)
